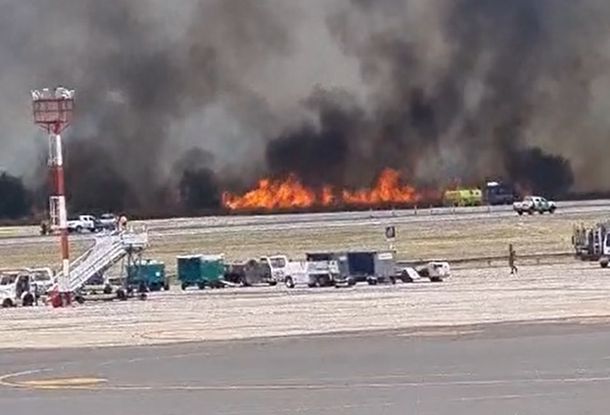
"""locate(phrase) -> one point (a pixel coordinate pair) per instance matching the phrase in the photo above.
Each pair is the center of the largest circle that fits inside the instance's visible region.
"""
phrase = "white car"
(83, 223)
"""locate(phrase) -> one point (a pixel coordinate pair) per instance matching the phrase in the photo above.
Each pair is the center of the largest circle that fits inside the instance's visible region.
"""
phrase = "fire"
(273, 195)
(387, 190)
(292, 194)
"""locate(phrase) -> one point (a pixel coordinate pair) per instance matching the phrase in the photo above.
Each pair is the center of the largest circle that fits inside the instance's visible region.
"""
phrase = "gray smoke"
(333, 90)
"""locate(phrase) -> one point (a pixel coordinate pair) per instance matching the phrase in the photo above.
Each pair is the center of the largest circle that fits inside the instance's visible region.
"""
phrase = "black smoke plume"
(541, 173)
(15, 199)
(331, 90)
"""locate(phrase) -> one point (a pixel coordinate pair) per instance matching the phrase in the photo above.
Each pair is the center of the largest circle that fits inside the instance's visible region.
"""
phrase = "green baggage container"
(212, 270)
(149, 272)
(200, 270)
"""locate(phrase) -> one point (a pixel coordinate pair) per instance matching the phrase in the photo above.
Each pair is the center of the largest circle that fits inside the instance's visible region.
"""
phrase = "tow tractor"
(17, 289)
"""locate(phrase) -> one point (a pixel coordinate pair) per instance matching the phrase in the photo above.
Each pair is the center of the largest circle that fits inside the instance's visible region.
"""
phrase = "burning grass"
(291, 193)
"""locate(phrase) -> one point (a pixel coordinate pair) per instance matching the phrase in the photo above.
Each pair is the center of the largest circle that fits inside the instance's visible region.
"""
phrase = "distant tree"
(15, 200)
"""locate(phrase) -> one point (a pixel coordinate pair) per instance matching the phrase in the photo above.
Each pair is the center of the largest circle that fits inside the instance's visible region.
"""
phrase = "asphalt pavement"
(541, 368)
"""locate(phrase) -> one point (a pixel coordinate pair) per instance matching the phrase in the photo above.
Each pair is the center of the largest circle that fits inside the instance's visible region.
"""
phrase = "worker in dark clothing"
(512, 255)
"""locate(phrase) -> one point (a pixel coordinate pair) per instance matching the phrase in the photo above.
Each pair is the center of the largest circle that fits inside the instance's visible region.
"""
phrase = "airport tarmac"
(529, 368)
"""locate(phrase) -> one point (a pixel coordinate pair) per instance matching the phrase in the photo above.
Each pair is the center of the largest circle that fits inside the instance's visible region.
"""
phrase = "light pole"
(53, 113)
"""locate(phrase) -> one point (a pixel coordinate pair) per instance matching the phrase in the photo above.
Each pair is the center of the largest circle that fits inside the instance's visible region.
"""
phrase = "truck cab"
(277, 265)
(497, 193)
(17, 289)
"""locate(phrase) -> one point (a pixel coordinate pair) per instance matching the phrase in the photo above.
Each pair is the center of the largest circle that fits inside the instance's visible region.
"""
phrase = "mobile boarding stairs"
(107, 251)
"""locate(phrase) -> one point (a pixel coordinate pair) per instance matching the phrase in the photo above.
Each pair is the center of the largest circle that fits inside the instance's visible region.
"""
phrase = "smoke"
(332, 90)
(540, 172)
(14, 198)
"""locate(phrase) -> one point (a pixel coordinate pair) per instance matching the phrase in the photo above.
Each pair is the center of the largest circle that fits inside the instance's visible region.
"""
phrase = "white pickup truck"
(17, 289)
(83, 223)
(531, 204)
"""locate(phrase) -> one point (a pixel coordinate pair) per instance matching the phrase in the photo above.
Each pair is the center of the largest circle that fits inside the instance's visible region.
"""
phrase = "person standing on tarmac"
(512, 255)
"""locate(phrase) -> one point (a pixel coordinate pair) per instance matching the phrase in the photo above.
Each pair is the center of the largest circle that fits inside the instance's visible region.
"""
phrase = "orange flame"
(291, 193)
(387, 190)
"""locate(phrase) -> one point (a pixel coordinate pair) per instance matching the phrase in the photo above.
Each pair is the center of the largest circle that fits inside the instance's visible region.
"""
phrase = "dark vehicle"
(366, 266)
(107, 221)
(250, 273)
(499, 194)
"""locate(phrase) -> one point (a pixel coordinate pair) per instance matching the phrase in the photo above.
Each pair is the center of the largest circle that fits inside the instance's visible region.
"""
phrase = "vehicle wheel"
(541, 212)
(312, 285)
(121, 295)
(392, 280)
(552, 210)
(27, 300)
(520, 212)
(79, 299)
(289, 282)
(372, 281)
(79, 229)
(273, 283)
(530, 212)
(184, 286)
(166, 286)
(436, 279)
(351, 282)
(201, 285)
(604, 264)
(7, 303)
(107, 289)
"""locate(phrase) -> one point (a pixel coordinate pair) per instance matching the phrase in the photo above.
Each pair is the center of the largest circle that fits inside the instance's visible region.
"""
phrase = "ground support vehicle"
(366, 266)
(406, 274)
(109, 290)
(532, 204)
(600, 233)
(201, 271)
(147, 273)
(590, 243)
(108, 222)
(436, 271)
(496, 193)
(311, 273)
(17, 289)
(463, 197)
(253, 272)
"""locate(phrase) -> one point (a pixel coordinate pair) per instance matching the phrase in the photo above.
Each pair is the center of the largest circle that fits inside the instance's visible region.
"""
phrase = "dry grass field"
(423, 237)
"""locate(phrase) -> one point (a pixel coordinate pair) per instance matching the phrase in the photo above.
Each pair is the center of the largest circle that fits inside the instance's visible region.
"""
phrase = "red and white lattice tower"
(53, 112)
